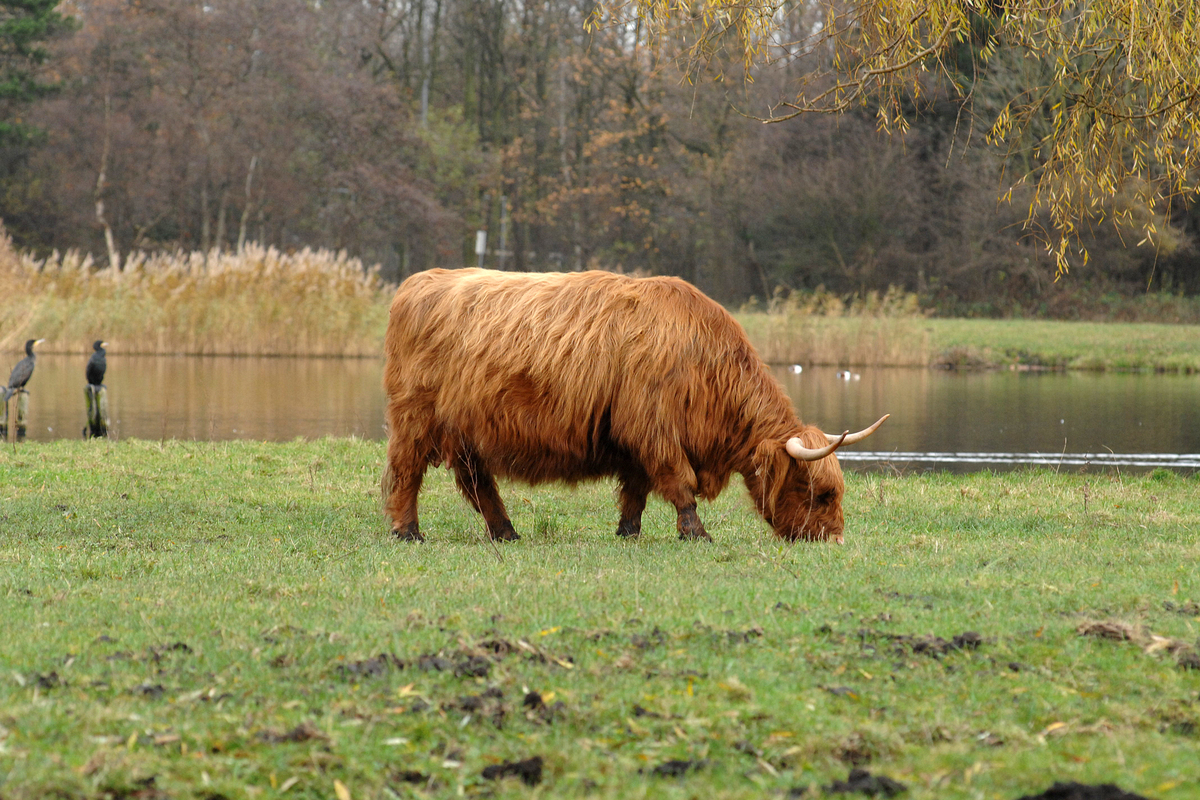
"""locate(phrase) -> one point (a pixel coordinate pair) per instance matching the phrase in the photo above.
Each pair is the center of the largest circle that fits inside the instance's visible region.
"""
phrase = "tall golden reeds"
(822, 328)
(258, 301)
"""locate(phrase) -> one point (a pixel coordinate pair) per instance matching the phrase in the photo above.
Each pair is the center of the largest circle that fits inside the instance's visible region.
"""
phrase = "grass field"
(208, 620)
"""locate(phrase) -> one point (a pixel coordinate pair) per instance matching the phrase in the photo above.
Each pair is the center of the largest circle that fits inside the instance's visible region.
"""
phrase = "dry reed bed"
(821, 328)
(257, 302)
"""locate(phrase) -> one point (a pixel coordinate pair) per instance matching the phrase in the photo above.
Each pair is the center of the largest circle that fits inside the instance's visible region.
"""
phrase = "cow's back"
(561, 375)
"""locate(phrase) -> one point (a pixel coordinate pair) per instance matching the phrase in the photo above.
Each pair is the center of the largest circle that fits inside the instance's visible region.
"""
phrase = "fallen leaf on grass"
(736, 690)
(1054, 727)
(340, 790)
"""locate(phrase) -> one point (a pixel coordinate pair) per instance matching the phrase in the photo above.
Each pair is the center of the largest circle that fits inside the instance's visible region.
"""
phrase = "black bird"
(97, 364)
(22, 371)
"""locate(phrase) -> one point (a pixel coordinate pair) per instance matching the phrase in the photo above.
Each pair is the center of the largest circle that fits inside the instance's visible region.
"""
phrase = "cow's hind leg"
(635, 486)
(408, 455)
(479, 487)
(402, 477)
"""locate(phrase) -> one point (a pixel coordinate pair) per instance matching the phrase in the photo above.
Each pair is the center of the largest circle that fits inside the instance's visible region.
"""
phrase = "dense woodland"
(394, 129)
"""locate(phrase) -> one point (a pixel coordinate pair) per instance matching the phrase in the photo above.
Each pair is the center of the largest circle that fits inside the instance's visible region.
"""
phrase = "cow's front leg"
(689, 524)
(677, 484)
(479, 487)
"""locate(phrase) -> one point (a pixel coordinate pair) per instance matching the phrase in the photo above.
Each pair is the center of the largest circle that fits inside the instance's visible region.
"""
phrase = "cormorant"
(96, 364)
(22, 371)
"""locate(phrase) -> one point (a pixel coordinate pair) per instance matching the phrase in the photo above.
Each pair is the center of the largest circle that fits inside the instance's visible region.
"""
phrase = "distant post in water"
(22, 414)
(97, 412)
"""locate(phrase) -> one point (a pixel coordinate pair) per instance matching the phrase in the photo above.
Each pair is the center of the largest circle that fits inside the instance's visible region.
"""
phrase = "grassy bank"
(973, 343)
(229, 620)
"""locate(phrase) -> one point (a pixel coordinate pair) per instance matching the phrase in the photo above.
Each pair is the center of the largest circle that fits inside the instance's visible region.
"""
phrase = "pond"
(941, 419)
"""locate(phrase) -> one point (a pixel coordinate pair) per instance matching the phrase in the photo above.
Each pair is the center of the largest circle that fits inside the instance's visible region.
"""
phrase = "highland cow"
(570, 377)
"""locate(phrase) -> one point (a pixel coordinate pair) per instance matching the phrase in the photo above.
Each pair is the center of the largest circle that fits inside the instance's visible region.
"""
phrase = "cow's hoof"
(505, 534)
(690, 526)
(409, 533)
(627, 529)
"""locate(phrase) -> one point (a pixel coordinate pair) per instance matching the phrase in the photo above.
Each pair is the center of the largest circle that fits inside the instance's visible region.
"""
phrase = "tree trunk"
(114, 258)
(222, 211)
(249, 204)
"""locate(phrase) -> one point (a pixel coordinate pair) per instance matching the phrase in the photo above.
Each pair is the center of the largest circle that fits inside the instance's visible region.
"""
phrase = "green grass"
(1069, 345)
(776, 665)
(912, 341)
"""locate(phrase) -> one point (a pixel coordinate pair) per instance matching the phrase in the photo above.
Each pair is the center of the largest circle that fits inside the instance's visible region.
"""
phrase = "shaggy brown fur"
(575, 376)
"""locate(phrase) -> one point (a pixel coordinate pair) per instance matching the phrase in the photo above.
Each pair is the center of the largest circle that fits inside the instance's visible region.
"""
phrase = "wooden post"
(97, 411)
(22, 413)
(4, 422)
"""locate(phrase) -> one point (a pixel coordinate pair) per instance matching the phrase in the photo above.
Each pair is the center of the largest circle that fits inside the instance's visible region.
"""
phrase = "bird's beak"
(39, 341)
(104, 344)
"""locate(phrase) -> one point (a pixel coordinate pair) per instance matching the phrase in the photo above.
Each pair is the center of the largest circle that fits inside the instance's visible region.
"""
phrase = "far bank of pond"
(781, 338)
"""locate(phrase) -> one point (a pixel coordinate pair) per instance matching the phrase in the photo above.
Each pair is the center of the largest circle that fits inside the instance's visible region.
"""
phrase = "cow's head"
(797, 484)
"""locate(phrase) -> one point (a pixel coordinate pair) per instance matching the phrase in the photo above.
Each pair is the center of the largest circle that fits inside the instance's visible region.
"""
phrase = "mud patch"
(678, 768)
(1080, 791)
(859, 780)
(1191, 608)
(304, 732)
(1186, 656)
(371, 667)
(927, 644)
(156, 653)
(655, 638)
(139, 789)
(529, 771)
(50, 680)
(412, 776)
(487, 705)
(536, 709)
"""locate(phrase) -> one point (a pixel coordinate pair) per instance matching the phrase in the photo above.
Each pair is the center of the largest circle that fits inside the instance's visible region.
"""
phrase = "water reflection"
(932, 411)
(1005, 411)
(191, 397)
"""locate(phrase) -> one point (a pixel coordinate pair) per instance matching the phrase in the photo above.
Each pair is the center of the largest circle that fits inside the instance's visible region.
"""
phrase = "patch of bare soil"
(1191, 608)
(303, 732)
(1080, 791)
(371, 667)
(677, 768)
(1185, 654)
(863, 782)
(529, 771)
(487, 705)
(925, 644)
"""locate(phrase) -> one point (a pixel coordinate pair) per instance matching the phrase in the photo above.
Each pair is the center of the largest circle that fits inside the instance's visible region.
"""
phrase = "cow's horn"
(801, 453)
(855, 438)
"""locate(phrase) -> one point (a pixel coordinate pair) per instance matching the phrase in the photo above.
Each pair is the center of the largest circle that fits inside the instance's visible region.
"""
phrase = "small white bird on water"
(795, 369)
(847, 375)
